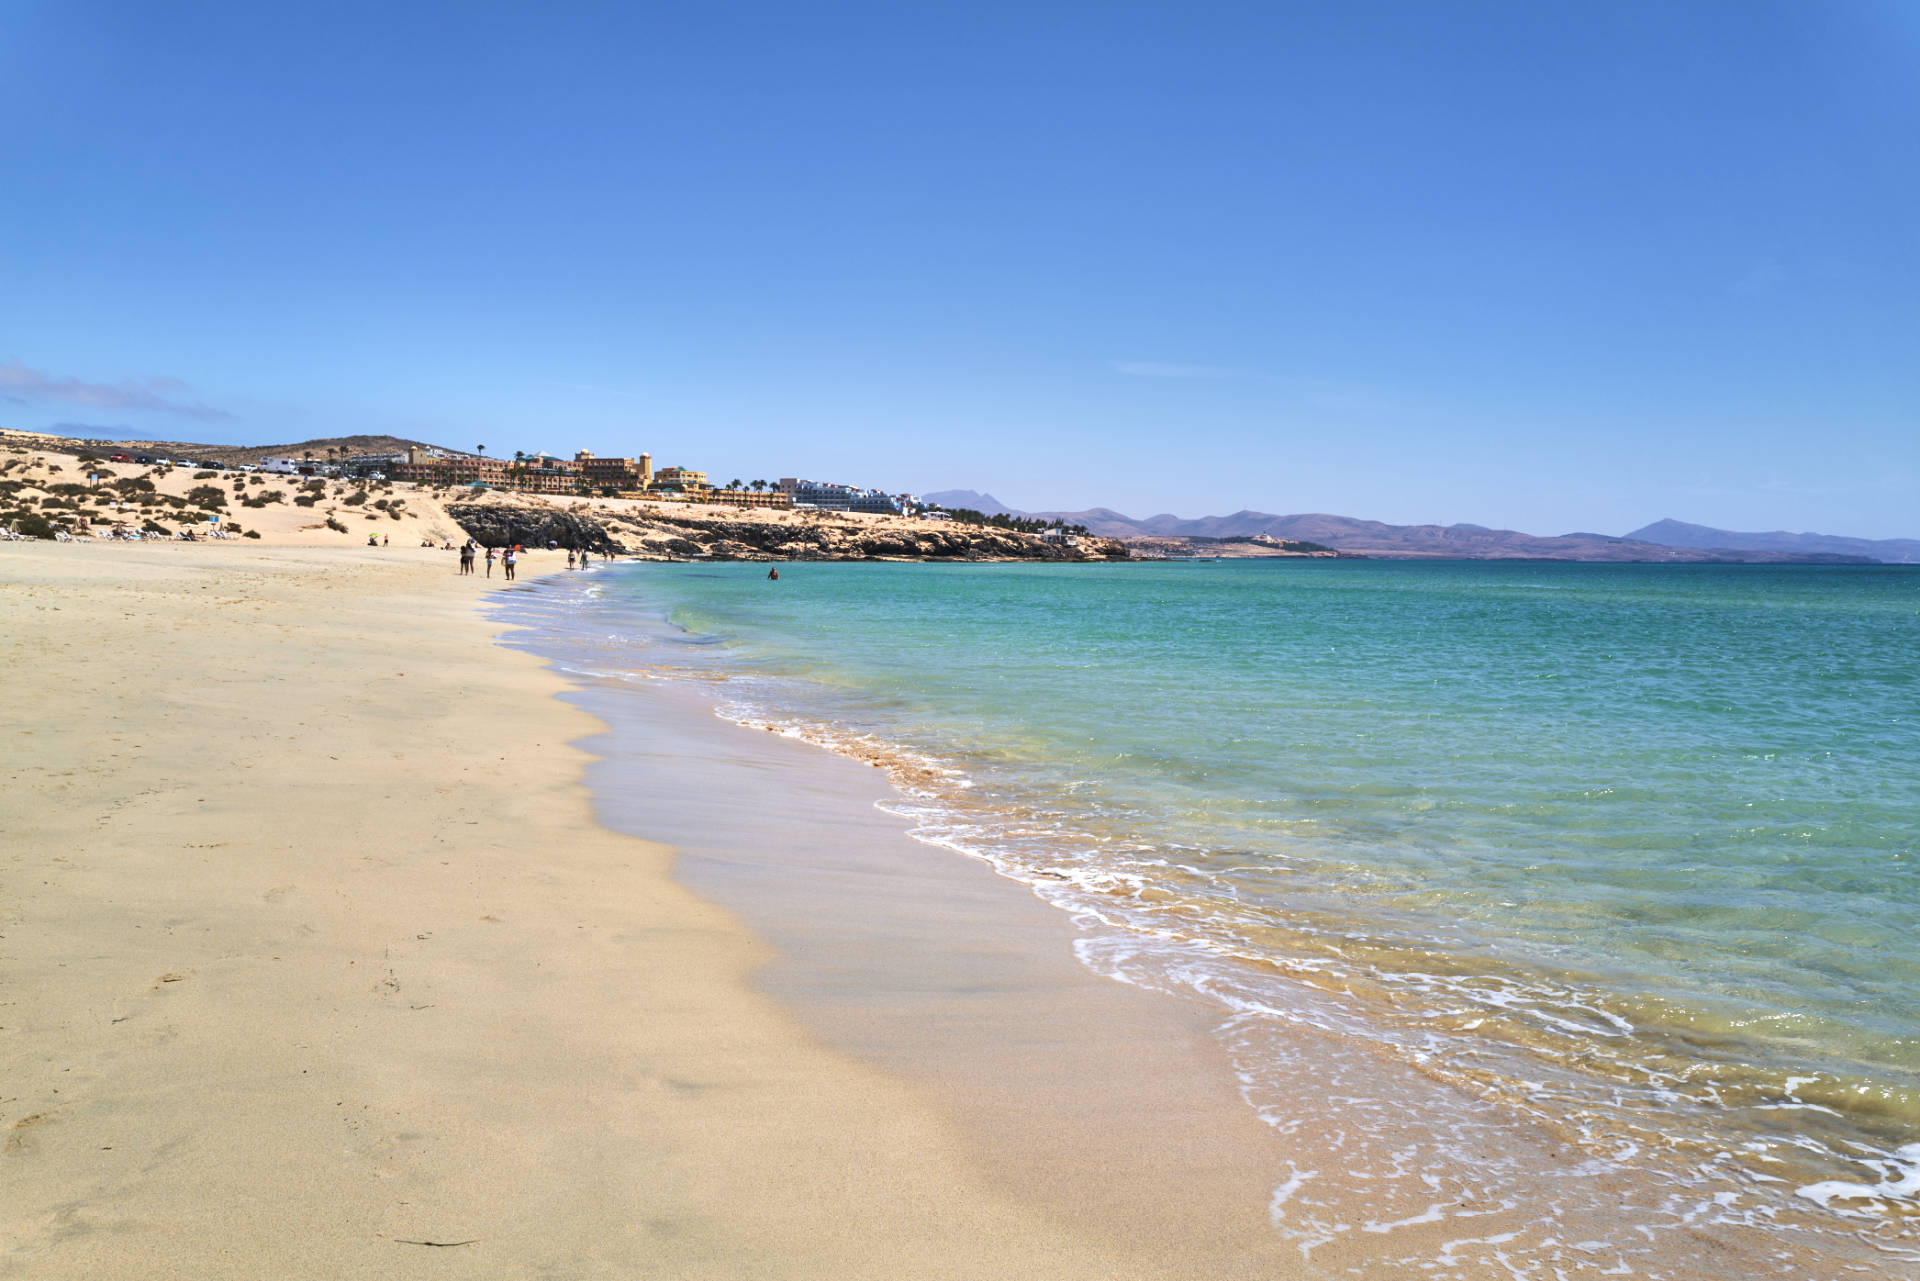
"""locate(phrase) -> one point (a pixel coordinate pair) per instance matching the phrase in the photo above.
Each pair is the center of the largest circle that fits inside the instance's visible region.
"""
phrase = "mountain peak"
(973, 500)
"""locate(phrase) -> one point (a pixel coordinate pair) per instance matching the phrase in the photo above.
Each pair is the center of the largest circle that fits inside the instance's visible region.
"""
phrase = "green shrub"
(205, 475)
(251, 533)
(305, 500)
(335, 525)
(154, 527)
(207, 496)
(32, 524)
(354, 499)
(134, 485)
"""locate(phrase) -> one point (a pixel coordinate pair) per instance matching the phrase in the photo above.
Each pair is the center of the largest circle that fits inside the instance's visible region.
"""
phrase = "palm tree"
(733, 484)
(481, 450)
(759, 485)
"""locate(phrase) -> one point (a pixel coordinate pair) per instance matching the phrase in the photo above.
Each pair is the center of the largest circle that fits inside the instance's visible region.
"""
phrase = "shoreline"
(1111, 1108)
(1362, 1208)
(320, 958)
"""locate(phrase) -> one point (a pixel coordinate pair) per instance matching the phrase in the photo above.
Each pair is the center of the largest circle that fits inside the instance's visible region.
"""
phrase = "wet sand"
(1113, 1108)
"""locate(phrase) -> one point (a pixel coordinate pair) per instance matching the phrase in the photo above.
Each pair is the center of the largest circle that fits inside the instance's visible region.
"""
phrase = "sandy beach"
(323, 960)
(319, 965)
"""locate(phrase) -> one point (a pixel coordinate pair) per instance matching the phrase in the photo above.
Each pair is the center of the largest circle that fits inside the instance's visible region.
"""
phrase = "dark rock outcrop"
(661, 532)
(503, 524)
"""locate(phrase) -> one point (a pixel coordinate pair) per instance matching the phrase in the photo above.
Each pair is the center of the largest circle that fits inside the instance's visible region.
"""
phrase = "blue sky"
(1548, 266)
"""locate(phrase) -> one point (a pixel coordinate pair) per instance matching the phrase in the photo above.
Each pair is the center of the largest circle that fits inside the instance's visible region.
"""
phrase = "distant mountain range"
(1677, 533)
(1665, 540)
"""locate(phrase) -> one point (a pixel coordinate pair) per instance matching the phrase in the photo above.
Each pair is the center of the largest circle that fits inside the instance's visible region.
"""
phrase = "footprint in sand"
(15, 1137)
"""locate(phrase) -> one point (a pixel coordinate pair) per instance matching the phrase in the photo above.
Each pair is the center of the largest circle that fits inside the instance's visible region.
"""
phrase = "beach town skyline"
(586, 475)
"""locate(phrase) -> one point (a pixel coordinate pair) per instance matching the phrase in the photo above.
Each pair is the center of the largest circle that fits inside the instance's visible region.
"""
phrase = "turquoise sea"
(1632, 850)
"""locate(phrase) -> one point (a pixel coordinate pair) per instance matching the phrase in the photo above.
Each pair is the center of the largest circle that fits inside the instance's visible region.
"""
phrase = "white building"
(826, 496)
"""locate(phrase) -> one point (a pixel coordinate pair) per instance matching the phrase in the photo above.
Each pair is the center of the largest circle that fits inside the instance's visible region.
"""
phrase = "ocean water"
(1632, 852)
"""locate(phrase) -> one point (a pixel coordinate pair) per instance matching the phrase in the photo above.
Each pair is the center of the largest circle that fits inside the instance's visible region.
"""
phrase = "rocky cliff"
(662, 531)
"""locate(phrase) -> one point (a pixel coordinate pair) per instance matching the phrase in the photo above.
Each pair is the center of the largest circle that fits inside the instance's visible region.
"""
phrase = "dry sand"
(317, 965)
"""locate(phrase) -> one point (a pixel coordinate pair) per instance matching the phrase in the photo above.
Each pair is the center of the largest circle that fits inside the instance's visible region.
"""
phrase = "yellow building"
(684, 478)
(625, 475)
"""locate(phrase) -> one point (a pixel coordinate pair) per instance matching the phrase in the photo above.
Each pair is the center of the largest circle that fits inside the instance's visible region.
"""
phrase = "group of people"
(471, 552)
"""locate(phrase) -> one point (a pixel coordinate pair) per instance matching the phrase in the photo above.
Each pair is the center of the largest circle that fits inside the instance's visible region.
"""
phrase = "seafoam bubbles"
(1900, 1181)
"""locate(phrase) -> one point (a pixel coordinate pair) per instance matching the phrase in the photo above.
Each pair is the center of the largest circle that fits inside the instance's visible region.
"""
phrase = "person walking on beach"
(506, 563)
(489, 562)
(569, 558)
(466, 557)
(583, 558)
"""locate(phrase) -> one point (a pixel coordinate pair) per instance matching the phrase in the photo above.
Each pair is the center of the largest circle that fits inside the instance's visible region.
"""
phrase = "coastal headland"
(48, 490)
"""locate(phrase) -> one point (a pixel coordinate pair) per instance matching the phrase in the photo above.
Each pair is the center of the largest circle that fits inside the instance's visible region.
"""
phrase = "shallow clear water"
(1631, 849)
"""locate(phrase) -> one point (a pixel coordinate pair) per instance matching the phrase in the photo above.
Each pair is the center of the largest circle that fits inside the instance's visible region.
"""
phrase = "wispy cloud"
(1166, 369)
(167, 395)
